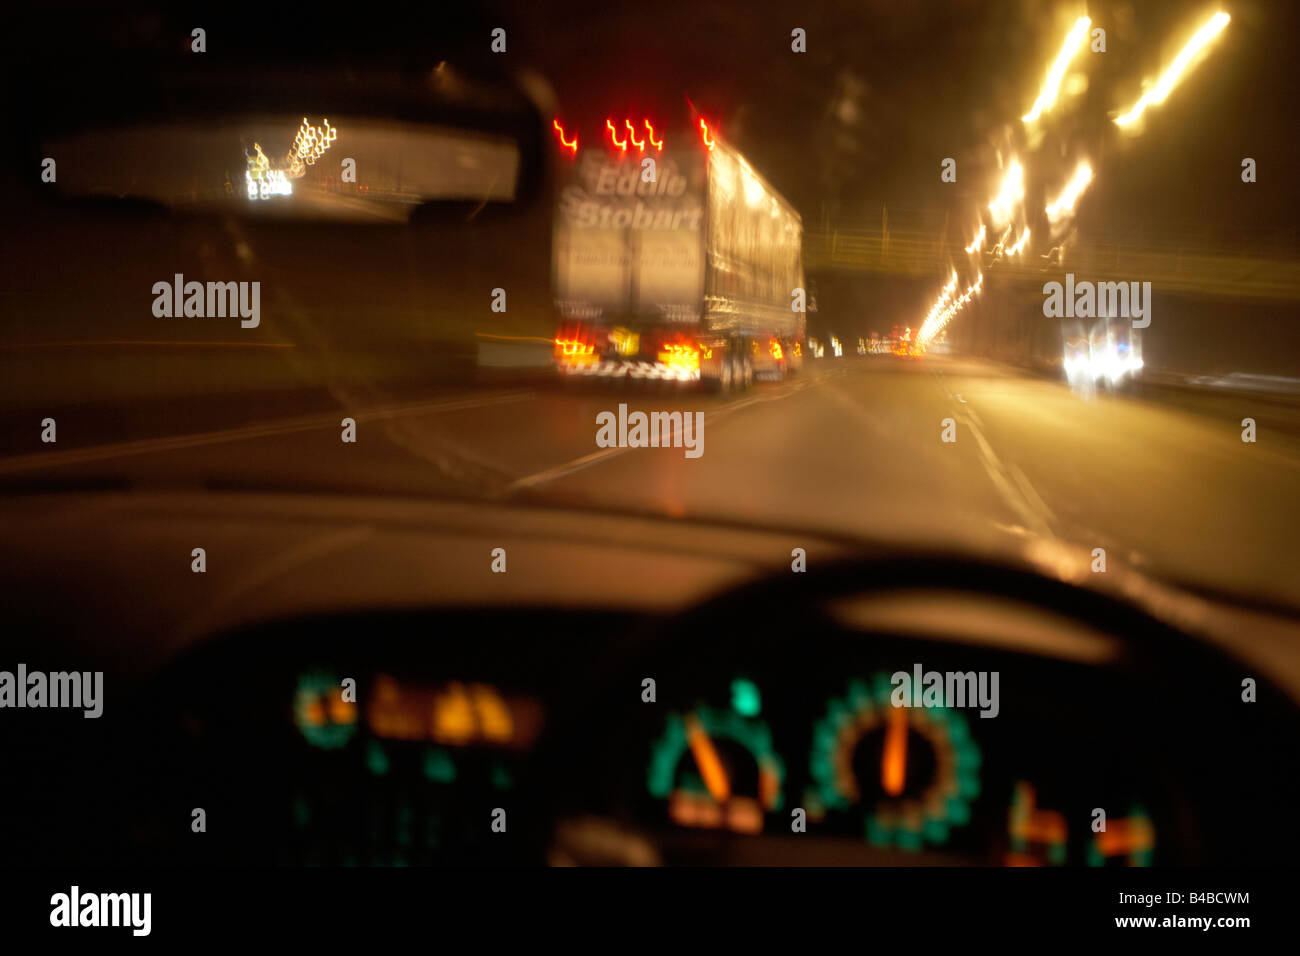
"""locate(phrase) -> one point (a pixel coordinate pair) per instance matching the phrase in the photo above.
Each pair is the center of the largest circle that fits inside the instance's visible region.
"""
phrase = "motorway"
(850, 447)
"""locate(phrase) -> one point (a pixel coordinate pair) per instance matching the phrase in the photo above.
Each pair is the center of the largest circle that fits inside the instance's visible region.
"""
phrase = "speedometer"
(911, 772)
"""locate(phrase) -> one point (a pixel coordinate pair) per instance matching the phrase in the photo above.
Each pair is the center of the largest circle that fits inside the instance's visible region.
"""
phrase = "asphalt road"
(851, 446)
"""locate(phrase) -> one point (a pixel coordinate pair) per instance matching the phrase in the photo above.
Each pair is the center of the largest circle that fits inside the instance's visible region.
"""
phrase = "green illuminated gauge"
(1132, 839)
(1036, 835)
(320, 712)
(716, 769)
(913, 770)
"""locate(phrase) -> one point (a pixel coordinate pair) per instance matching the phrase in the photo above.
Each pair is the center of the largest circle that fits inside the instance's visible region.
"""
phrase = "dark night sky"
(885, 91)
(929, 80)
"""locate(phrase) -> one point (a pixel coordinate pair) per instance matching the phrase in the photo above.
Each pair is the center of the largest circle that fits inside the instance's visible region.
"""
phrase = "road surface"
(1162, 482)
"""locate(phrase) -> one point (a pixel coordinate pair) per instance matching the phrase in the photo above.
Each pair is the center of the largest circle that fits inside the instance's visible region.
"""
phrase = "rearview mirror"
(340, 167)
(298, 144)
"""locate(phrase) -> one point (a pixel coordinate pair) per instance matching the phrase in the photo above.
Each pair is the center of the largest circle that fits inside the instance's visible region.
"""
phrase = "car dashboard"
(756, 730)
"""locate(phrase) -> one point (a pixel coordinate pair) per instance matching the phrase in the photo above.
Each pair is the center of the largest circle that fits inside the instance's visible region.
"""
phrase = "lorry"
(673, 259)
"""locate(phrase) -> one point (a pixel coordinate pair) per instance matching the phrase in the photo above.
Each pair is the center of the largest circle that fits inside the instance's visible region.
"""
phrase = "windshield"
(1005, 285)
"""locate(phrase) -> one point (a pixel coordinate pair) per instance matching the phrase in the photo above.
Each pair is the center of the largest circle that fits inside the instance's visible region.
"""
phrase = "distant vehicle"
(901, 342)
(1105, 354)
(688, 268)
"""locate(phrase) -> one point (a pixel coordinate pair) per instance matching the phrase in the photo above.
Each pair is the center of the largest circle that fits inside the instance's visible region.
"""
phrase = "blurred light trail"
(631, 134)
(942, 311)
(704, 129)
(1000, 245)
(564, 142)
(613, 135)
(1063, 205)
(308, 145)
(1156, 95)
(978, 241)
(947, 291)
(659, 144)
(1020, 244)
(1009, 194)
(514, 338)
(262, 181)
(1073, 42)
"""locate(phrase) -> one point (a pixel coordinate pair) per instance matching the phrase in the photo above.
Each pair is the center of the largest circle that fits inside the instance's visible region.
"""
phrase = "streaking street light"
(943, 310)
(1009, 194)
(1073, 42)
(1020, 244)
(1063, 205)
(1157, 94)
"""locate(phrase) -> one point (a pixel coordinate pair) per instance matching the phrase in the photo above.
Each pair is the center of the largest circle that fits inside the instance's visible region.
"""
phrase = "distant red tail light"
(650, 130)
(571, 146)
(613, 135)
(704, 129)
(631, 134)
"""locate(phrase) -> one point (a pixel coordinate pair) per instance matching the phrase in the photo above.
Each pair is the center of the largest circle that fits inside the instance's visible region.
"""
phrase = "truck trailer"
(673, 259)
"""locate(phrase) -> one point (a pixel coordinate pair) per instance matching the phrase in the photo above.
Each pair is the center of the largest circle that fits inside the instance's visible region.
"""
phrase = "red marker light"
(705, 129)
(613, 135)
(631, 135)
(563, 142)
(651, 130)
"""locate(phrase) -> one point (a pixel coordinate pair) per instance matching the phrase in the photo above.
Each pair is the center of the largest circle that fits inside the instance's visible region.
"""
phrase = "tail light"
(680, 355)
(565, 143)
(575, 345)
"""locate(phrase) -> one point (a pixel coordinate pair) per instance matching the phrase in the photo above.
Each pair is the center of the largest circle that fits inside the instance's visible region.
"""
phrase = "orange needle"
(707, 759)
(893, 766)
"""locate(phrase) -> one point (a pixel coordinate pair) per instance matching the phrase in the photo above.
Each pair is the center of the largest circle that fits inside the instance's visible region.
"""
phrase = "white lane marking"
(713, 417)
(1029, 507)
(1010, 482)
(560, 471)
(76, 456)
(1031, 493)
